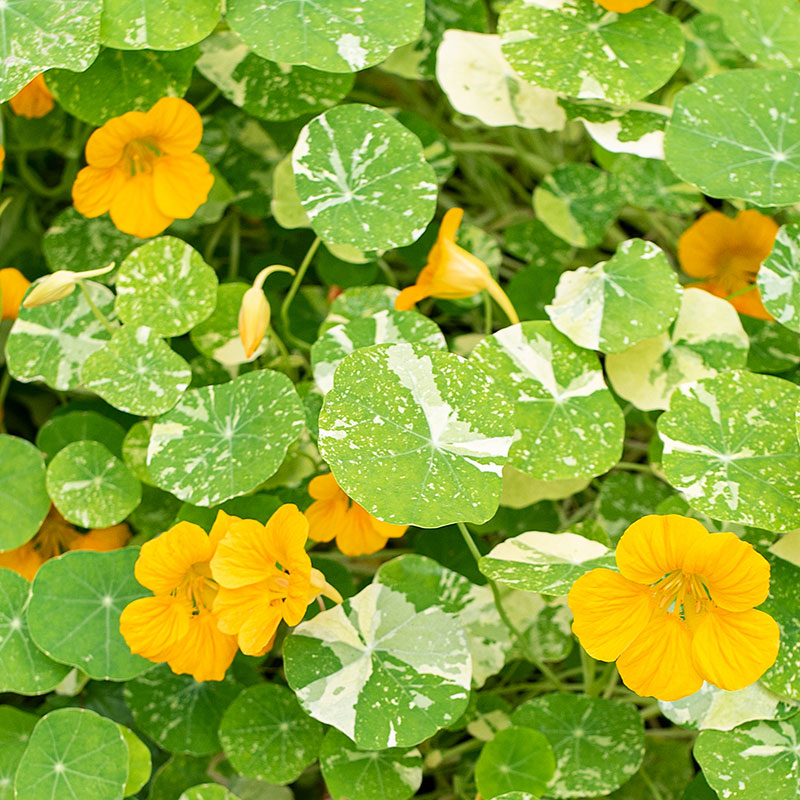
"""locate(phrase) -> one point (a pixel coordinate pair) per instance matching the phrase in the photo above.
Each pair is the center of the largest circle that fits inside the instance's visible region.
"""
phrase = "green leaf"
(336, 37)
(362, 178)
(783, 604)
(729, 448)
(24, 501)
(754, 761)
(15, 730)
(577, 48)
(134, 450)
(706, 338)
(532, 242)
(666, 769)
(177, 775)
(516, 759)
(615, 304)
(773, 348)
(766, 31)
(266, 89)
(35, 37)
(76, 602)
(544, 621)
(208, 791)
(77, 426)
(416, 436)
(742, 123)
(521, 490)
(351, 773)
(140, 764)
(598, 743)
(569, 425)
(545, 562)
(384, 327)
(119, 81)
(267, 736)
(380, 671)
(360, 301)
(50, 343)
(651, 185)
(625, 497)
(286, 206)
(137, 372)
(178, 713)
(157, 24)
(90, 486)
(779, 278)
(24, 669)
(237, 433)
(165, 285)
(578, 203)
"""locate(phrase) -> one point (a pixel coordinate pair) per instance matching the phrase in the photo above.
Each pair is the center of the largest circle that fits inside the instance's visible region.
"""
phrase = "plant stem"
(487, 317)
(102, 318)
(236, 246)
(589, 666)
(5, 383)
(298, 279)
(632, 466)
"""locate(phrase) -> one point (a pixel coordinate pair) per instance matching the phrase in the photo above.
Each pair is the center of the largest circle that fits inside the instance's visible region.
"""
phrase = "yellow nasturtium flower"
(33, 100)
(727, 252)
(623, 6)
(333, 513)
(13, 285)
(143, 169)
(680, 611)
(453, 273)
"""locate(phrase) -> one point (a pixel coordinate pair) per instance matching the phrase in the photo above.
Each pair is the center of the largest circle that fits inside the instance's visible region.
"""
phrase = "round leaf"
(516, 759)
(742, 122)
(267, 736)
(137, 372)
(575, 47)
(15, 730)
(766, 31)
(615, 304)
(598, 743)
(223, 441)
(783, 604)
(90, 486)
(73, 752)
(77, 426)
(24, 501)
(362, 178)
(360, 301)
(208, 791)
(569, 424)
(50, 343)
(165, 285)
(24, 669)
(380, 671)
(337, 37)
(354, 774)
(779, 278)
(729, 448)
(140, 765)
(416, 436)
(76, 602)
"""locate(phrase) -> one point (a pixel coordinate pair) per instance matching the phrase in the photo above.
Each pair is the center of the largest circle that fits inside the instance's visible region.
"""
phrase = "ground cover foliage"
(543, 281)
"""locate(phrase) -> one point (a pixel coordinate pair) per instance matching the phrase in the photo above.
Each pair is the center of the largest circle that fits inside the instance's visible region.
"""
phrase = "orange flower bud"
(59, 285)
(255, 313)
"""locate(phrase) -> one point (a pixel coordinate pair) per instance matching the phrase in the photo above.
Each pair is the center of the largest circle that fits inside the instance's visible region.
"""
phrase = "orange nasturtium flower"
(177, 624)
(679, 611)
(143, 169)
(13, 285)
(265, 576)
(623, 6)
(56, 536)
(333, 513)
(727, 252)
(453, 273)
(32, 100)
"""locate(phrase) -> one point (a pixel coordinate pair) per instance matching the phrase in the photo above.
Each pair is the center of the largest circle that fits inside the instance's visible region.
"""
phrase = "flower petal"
(326, 519)
(286, 535)
(153, 626)
(656, 545)
(659, 663)
(24, 560)
(411, 295)
(258, 633)
(324, 487)
(732, 650)
(610, 612)
(102, 540)
(107, 144)
(33, 100)
(176, 126)
(134, 209)
(736, 576)
(13, 285)
(205, 652)
(623, 6)
(242, 557)
(95, 188)
(181, 184)
(164, 561)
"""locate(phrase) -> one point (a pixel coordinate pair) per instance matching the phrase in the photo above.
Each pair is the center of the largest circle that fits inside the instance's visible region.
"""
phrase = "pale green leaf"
(24, 501)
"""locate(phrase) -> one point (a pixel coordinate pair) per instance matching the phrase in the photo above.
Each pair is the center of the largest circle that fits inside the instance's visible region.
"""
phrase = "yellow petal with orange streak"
(106, 145)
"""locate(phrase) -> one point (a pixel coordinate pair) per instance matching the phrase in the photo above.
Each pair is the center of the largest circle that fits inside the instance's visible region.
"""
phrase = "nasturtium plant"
(24, 501)
(779, 278)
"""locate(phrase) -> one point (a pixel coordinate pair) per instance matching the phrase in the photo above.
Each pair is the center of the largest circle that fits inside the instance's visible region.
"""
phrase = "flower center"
(198, 587)
(680, 594)
(278, 584)
(140, 154)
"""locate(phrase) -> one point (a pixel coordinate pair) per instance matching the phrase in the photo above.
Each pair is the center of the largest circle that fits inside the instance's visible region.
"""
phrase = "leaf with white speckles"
(380, 671)
(75, 426)
(24, 501)
(416, 436)
(208, 791)
(223, 441)
(90, 486)
(166, 285)
(766, 31)
(76, 602)
(516, 759)
(731, 451)
(50, 343)
(746, 125)
(359, 301)
(363, 179)
(264, 88)
(384, 327)
(267, 736)
(752, 762)
(779, 278)
(24, 668)
(351, 773)
(179, 713)
(705, 339)
(615, 304)
(548, 563)
(336, 36)
(569, 424)
(598, 744)
(577, 48)
(37, 36)
(783, 604)
(624, 497)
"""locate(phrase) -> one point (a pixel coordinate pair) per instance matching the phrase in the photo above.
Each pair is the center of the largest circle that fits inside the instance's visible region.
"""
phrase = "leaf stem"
(102, 318)
(287, 301)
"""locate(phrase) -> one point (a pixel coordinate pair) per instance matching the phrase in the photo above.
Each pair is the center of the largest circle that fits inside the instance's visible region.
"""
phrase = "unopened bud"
(321, 588)
(254, 313)
(59, 285)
